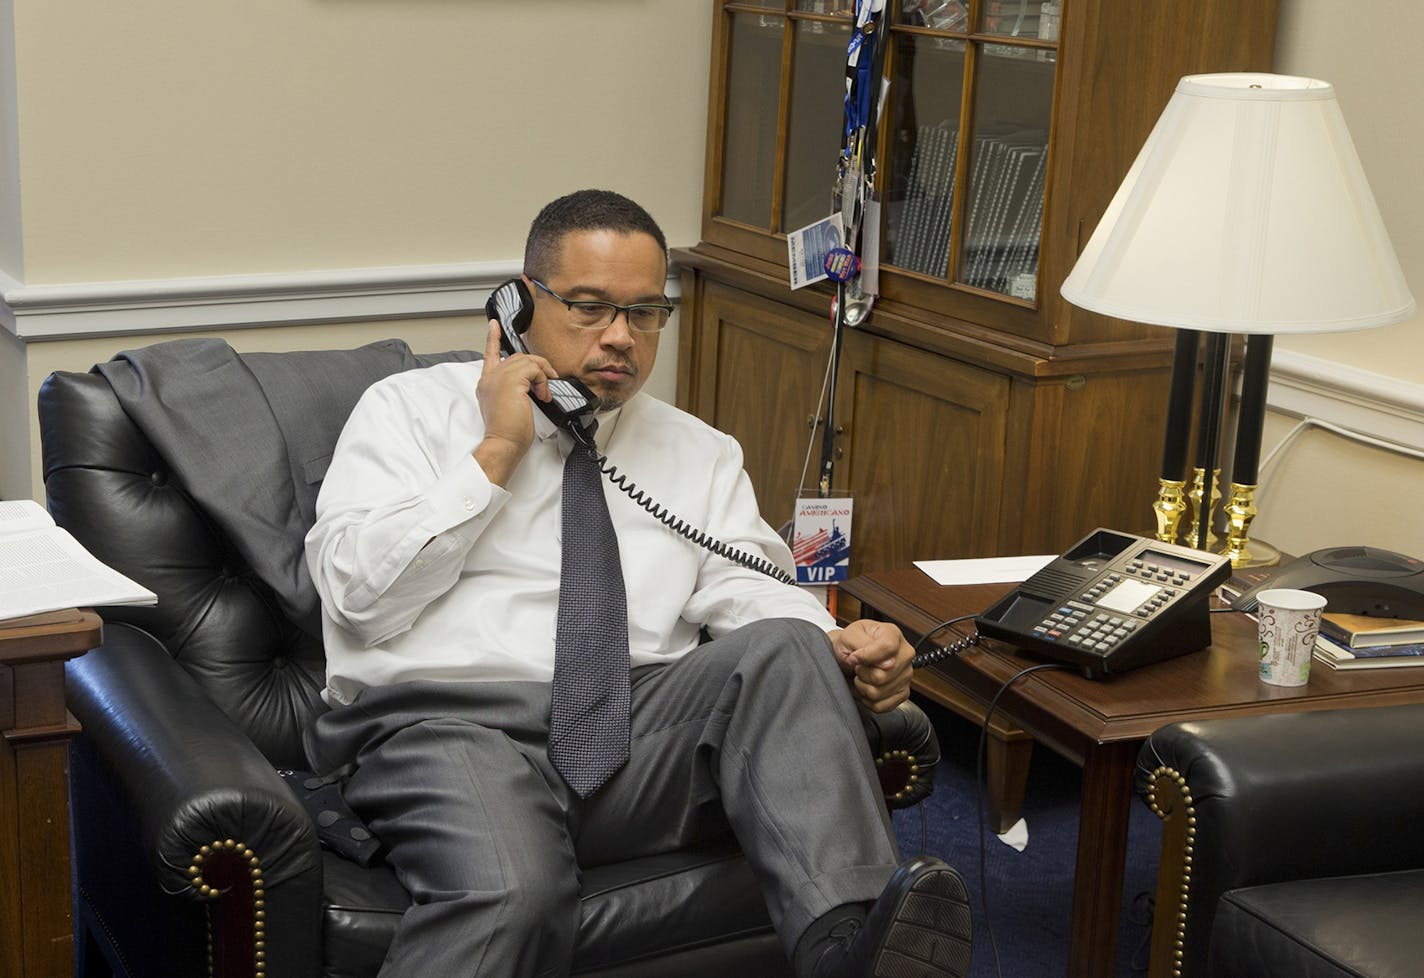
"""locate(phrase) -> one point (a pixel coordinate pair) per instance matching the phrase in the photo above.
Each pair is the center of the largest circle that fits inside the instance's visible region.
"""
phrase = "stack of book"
(923, 241)
(1361, 642)
(1004, 207)
(1005, 210)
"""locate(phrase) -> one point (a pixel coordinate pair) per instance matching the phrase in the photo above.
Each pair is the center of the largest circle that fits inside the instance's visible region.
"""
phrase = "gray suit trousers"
(755, 732)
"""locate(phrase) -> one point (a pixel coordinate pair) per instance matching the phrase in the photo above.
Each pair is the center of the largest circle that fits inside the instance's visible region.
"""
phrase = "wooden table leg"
(1006, 771)
(1102, 858)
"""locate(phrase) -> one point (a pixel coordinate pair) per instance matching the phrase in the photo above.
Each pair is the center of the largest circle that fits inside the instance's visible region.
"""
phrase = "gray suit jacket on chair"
(251, 435)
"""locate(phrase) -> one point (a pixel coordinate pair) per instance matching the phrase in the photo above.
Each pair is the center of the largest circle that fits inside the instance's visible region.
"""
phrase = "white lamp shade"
(1247, 211)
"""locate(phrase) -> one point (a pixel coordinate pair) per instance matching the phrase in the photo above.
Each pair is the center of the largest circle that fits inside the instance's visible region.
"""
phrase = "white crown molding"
(1370, 403)
(38, 313)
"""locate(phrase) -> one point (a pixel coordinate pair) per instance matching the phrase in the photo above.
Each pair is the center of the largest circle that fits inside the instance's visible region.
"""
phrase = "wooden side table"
(1101, 725)
(36, 924)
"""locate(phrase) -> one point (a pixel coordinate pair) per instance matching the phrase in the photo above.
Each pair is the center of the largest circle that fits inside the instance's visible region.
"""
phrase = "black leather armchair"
(194, 855)
(1292, 844)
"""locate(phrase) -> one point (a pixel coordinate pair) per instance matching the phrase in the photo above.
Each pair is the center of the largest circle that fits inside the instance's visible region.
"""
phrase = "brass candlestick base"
(1203, 507)
(1170, 507)
(1240, 511)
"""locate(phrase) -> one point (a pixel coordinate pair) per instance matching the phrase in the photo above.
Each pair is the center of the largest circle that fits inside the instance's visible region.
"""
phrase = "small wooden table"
(1101, 724)
(36, 922)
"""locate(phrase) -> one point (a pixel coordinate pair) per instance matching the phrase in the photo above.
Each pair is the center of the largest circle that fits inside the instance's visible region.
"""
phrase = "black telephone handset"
(572, 405)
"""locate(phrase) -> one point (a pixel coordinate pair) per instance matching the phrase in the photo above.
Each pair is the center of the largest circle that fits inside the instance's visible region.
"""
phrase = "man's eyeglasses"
(643, 317)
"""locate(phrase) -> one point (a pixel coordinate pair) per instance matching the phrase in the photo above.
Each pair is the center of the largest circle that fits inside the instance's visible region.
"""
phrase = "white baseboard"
(37, 313)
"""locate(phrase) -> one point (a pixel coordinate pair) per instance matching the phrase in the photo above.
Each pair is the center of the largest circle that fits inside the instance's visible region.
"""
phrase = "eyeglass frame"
(627, 310)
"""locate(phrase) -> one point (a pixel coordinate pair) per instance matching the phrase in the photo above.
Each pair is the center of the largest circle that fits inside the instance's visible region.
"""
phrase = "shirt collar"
(544, 429)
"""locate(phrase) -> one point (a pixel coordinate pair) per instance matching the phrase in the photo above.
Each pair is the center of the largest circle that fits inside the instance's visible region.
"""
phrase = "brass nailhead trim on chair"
(259, 899)
(908, 758)
(1167, 774)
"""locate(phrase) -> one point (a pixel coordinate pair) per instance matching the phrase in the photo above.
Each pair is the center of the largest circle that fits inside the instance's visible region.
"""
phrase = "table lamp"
(1246, 212)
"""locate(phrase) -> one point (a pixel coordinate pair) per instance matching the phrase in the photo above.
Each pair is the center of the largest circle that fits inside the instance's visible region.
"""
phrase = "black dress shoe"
(919, 928)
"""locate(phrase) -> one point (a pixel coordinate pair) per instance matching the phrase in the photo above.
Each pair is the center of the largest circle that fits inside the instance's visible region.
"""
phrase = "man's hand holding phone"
(503, 392)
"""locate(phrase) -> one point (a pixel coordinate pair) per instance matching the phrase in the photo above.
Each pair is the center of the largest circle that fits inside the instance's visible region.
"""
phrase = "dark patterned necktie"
(588, 723)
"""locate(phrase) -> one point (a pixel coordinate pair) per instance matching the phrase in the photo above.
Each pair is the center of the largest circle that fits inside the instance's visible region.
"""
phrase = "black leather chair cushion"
(1342, 927)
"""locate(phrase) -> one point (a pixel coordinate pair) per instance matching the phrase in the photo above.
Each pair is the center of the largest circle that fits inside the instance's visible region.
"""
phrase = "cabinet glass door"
(749, 148)
(784, 112)
(1013, 100)
(816, 120)
(970, 210)
(825, 6)
(919, 194)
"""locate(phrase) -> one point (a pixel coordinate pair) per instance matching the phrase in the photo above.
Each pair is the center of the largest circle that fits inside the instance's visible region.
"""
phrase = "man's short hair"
(583, 210)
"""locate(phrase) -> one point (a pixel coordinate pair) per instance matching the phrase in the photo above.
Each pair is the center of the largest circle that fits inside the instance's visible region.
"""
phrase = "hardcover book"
(1359, 631)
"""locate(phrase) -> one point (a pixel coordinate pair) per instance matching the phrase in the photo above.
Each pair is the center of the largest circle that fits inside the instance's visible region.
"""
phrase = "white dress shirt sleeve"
(395, 516)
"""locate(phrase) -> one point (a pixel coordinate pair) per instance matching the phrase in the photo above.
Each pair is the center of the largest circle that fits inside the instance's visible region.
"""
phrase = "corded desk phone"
(1111, 603)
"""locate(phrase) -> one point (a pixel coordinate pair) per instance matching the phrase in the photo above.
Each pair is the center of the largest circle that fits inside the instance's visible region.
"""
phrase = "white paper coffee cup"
(1289, 621)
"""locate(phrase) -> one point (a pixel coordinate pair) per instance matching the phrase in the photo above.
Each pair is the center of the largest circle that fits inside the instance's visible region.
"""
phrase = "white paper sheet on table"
(984, 570)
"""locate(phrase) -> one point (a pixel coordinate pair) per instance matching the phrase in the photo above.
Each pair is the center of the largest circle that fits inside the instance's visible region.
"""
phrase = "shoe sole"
(932, 931)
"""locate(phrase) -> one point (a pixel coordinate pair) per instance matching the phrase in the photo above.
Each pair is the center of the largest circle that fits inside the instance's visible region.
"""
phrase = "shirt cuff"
(464, 495)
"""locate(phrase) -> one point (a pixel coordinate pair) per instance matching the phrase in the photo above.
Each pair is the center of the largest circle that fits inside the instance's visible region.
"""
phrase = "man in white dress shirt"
(437, 552)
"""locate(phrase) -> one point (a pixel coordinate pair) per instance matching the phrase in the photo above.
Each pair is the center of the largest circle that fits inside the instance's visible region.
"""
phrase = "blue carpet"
(1030, 892)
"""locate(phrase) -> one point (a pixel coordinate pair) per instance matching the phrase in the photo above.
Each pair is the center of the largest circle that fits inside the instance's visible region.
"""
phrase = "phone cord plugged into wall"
(679, 526)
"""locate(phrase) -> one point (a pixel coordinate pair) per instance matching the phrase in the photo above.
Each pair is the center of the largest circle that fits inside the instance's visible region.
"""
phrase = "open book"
(43, 568)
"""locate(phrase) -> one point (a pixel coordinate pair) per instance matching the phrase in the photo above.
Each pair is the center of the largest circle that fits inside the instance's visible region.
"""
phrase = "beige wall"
(1323, 489)
(1367, 49)
(233, 136)
(11, 251)
(158, 141)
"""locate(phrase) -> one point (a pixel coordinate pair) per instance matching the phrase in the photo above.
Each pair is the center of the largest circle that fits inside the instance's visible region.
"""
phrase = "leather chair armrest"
(216, 821)
(905, 749)
(1266, 799)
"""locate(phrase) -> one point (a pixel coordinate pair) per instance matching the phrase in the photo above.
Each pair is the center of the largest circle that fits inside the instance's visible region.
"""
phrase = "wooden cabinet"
(917, 432)
(979, 412)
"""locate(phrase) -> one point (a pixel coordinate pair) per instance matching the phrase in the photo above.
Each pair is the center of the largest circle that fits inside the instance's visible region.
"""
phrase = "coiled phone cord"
(760, 564)
(941, 652)
(681, 527)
